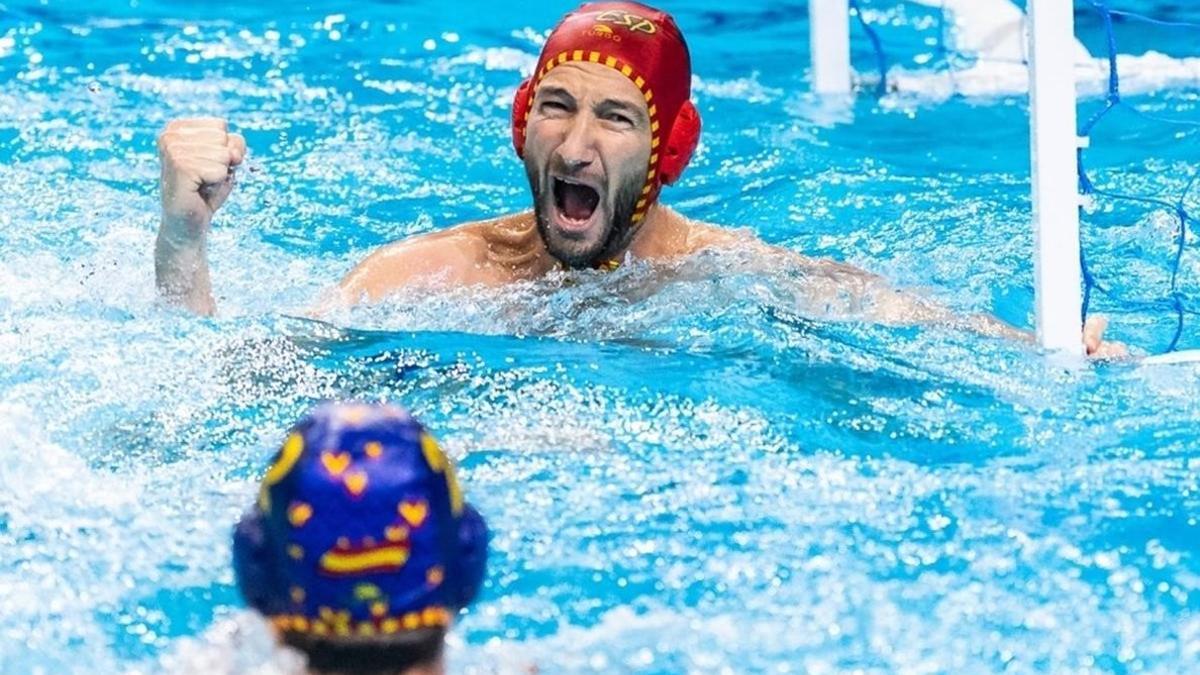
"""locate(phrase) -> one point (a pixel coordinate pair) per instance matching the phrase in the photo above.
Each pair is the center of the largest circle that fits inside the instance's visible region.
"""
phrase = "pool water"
(687, 467)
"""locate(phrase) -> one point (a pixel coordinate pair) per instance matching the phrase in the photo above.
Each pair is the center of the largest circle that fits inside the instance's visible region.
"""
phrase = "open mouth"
(575, 203)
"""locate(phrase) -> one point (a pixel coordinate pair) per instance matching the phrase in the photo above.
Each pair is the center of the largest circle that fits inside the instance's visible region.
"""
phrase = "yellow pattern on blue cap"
(438, 462)
(288, 456)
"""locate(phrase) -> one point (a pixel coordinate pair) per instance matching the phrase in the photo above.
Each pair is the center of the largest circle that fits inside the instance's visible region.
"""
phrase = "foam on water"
(1140, 74)
(992, 36)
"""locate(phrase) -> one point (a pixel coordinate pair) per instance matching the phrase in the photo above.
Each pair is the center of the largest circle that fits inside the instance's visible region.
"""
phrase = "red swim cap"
(645, 45)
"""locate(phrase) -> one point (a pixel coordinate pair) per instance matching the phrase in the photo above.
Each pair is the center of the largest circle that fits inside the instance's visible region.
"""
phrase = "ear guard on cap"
(470, 566)
(685, 135)
(521, 102)
(252, 565)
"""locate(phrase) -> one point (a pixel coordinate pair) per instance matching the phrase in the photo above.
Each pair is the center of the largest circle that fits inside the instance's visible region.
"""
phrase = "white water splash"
(995, 33)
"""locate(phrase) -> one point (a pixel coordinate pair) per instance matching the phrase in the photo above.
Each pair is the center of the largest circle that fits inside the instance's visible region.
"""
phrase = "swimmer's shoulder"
(467, 254)
(706, 235)
(441, 255)
(703, 236)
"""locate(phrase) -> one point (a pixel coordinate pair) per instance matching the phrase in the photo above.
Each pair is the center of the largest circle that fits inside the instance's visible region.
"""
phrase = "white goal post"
(829, 44)
(1051, 56)
(1053, 144)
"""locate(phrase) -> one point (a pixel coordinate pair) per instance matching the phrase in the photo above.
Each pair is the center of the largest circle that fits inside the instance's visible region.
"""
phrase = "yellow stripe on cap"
(433, 453)
(456, 495)
(289, 454)
(350, 563)
(339, 623)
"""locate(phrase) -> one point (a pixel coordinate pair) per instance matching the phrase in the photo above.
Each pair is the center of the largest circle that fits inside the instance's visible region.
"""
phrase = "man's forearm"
(181, 271)
(198, 159)
(986, 324)
(900, 307)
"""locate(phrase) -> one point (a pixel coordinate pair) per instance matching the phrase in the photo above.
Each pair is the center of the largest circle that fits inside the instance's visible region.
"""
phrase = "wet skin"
(587, 147)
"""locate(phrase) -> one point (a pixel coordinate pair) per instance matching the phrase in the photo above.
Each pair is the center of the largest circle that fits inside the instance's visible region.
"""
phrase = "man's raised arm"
(198, 157)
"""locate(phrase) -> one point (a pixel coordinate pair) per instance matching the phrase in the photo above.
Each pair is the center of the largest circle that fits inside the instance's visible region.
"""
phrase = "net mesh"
(878, 19)
(1174, 205)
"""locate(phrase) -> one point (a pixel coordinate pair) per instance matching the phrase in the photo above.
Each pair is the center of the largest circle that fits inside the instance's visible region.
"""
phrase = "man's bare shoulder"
(701, 236)
(708, 236)
(479, 252)
(445, 253)
(476, 242)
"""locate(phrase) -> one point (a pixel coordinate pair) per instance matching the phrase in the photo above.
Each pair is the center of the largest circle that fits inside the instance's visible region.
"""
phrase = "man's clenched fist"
(198, 157)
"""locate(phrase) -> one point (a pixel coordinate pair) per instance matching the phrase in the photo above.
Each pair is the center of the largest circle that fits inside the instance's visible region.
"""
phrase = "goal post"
(829, 44)
(1053, 143)
(1051, 55)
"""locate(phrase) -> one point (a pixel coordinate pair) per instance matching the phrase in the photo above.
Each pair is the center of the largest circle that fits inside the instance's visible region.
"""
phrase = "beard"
(616, 230)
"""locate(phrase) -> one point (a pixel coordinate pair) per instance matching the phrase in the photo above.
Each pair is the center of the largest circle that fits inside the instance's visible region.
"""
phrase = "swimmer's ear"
(520, 115)
(685, 135)
(251, 563)
(470, 566)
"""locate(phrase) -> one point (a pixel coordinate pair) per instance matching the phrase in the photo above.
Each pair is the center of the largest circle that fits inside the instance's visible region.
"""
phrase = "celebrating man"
(603, 124)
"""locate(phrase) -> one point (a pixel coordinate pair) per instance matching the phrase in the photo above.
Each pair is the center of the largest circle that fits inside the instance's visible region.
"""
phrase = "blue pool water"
(688, 467)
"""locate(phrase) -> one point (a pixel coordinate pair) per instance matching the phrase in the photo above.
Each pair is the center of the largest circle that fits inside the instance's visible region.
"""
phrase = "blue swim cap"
(360, 528)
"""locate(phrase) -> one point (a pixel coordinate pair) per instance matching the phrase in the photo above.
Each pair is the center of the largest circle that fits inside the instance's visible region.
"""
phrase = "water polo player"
(360, 550)
(603, 124)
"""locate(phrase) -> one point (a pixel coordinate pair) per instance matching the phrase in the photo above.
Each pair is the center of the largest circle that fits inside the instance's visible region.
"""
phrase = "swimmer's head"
(605, 121)
(360, 548)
